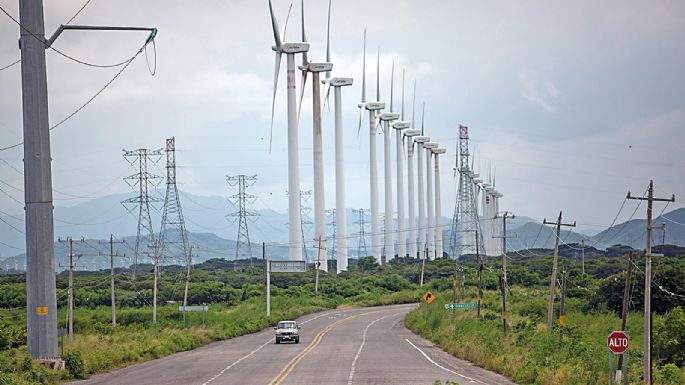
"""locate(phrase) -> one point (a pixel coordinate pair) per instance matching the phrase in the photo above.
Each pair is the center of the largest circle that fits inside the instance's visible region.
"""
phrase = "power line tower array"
(465, 222)
(143, 181)
(305, 221)
(331, 233)
(243, 247)
(361, 245)
(173, 235)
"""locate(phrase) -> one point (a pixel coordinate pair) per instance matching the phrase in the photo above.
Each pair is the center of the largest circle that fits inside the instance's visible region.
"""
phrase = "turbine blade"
(413, 106)
(392, 83)
(304, 38)
(364, 70)
(303, 84)
(277, 67)
(328, 40)
(423, 113)
(325, 102)
(402, 94)
(378, 75)
(274, 25)
(285, 26)
(361, 118)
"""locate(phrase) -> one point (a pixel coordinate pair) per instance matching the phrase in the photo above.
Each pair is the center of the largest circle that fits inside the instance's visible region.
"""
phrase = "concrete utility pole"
(480, 275)
(564, 278)
(319, 247)
(41, 299)
(112, 254)
(155, 260)
(553, 280)
(647, 373)
(505, 216)
(70, 291)
(583, 255)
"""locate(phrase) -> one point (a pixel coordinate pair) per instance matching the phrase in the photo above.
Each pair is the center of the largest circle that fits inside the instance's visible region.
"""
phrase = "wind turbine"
(386, 118)
(411, 245)
(438, 205)
(319, 194)
(420, 140)
(401, 230)
(341, 213)
(430, 210)
(290, 49)
(372, 107)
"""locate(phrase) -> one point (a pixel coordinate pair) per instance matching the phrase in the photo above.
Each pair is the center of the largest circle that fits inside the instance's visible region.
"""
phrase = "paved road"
(351, 346)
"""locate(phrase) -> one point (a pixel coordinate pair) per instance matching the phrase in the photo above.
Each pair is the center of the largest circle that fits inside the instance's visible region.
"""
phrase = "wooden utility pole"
(583, 255)
(647, 372)
(454, 296)
(155, 260)
(626, 297)
(112, 254)
(553, 280)
(189, 262)
(423, 265)
(70, 291)
(503, 280)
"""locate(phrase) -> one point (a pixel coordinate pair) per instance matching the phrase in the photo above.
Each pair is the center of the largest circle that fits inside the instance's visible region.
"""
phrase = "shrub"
(74, 363)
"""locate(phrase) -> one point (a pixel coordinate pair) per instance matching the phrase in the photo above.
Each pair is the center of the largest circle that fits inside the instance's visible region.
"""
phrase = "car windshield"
(286, 325)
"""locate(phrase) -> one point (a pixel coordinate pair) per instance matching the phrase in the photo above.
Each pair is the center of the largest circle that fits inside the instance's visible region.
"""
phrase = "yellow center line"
(283, 374)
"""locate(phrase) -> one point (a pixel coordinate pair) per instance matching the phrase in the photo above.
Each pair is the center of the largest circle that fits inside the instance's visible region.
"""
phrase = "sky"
(570, 105)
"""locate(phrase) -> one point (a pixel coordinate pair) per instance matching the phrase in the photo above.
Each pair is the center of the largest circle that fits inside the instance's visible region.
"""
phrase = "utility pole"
(362, 233)
(583, 255)
(319, 247)
(112, 254)
(626, 296)
(480, 276)
(553, 280)
(155, 260)
(185, 291)
(454, 296)
(243, 200)
(564, 278)
(41, 298)
(647, 373)
(70, 289)
(504, 217)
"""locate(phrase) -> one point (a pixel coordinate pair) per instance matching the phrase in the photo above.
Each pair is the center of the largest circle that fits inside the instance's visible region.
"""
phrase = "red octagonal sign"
(617, 342)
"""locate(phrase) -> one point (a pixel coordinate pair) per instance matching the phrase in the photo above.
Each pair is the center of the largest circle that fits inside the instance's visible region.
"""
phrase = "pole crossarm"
(63, 27)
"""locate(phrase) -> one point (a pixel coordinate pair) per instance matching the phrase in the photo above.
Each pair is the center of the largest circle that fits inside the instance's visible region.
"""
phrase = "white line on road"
(442, 367)
(354, 362)
(254, 351)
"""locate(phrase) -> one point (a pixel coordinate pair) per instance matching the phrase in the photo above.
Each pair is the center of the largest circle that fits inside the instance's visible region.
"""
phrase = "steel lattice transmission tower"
(243, 247)
(465, 222)
(332, 234)
(361, 245)
(142, 181)
(173, 235)
(305, 221)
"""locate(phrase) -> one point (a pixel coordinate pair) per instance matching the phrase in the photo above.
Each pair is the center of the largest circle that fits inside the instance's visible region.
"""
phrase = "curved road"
(350, 346)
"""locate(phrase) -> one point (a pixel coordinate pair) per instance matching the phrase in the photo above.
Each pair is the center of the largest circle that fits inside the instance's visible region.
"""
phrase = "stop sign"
(617, 342)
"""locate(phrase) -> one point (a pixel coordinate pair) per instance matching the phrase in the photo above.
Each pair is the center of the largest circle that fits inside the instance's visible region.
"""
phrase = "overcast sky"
(572, 103)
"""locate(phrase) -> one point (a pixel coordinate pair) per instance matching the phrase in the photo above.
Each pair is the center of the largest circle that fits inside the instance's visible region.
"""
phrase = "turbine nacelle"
(389, 116)
(422, 139)
(338, 82)
(401, 125)
(412, 132)
(439, 150)
(430, 145)
(478, 181)
(374, 106)
(317, 67)
(292, 48)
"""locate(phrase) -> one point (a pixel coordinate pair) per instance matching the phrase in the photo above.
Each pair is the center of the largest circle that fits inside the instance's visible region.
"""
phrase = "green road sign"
(468, 305)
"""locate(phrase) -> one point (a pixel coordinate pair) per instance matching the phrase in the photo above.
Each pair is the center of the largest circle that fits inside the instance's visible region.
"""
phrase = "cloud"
(539, 91)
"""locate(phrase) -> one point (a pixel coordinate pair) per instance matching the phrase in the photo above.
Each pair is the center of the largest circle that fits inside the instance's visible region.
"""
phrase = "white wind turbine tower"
(386, 118)
(411, 225)
(438, 203)
(341, 213)
(290, 49)
(420, 141)
(319, 194)
(430, 199)
(372, 107)
(401, 230)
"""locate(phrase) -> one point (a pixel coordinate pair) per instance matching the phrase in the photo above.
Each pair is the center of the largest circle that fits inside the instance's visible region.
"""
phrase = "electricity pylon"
(361, 245)
(173, 236)
(242, 199)
(143, 181)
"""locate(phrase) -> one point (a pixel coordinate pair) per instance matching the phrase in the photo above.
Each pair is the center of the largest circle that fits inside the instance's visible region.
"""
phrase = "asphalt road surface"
(350, 346)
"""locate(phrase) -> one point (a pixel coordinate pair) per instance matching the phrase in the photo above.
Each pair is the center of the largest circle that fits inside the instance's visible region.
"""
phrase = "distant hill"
(633, 233)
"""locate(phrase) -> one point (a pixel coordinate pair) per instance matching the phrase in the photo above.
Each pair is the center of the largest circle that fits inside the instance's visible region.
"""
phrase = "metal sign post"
(617, 342)
(268, 288)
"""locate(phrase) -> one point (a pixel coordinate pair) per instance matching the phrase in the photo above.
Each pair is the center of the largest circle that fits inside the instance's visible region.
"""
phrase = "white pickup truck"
(287, 331)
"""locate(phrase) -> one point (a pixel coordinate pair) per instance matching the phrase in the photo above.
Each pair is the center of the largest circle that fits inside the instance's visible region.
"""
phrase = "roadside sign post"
(617, 342)
(202, 309)
(280, 267)
(466, 305)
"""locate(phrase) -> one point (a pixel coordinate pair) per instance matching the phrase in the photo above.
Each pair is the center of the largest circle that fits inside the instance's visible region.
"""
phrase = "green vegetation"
(575, 354)
(236, 306)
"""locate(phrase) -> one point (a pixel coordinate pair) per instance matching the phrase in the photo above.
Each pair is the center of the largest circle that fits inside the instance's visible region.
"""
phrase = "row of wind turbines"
(429, 243)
